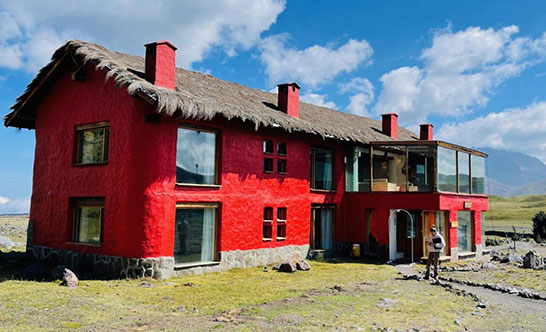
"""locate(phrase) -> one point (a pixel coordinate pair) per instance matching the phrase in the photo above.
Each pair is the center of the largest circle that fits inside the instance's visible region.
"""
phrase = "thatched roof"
(200, 97)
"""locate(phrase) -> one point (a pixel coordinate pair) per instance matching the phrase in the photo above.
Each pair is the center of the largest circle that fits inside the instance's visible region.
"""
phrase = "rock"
(338, 288)
(513, 291)
(532, 260)
(6, 242)
(276, 267)
(386, 303)
(459, 322)
(69, 279)
(482, 305)
(58, 272)
(288, 267)
(180, 308)
(303, 265)
(266, 269)
(146, 284)
(37, 272)
(489, 266)
(512, 258)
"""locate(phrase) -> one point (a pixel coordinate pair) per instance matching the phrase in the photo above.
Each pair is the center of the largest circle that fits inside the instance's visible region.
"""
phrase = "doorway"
(322, 227)
(404, 231)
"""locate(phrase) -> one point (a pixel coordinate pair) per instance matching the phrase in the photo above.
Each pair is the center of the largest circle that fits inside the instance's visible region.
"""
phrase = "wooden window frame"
(279, 161)
(312, 179)
(264, 147)
(267, 223)
(82, 202)
(315, 207)
(79, 130)
(281, 222)
(285, 149)
(203, 205)
(272, 160)
(217, 155)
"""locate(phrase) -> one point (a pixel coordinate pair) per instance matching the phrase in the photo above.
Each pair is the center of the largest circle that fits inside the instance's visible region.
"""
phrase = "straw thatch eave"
(200, 97)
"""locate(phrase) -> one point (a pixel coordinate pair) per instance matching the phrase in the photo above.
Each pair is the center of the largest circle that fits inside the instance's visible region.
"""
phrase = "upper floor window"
(281, 148)
(196, 156)
(88, 220)
(268, 147)
(272, 155)
(322, 169)
(92, 143)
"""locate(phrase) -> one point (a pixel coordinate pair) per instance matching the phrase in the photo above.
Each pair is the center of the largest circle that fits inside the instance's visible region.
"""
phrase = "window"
(357, 169)
(88, 220)
(196, 156)
(483, 229)
(267, 230)
(281, 166)
(195, 233)
(464, 231)
(478, 174)
(268, 165)
(322, 225)
(281, 224)
(322, 169)
(92, 143)
(281, 148)
(268, 147)
(447, 170)
(464, 172)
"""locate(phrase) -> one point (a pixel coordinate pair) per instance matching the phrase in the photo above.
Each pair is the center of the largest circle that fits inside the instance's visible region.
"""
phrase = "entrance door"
(437, 218)
(404, 230)
(322, 228)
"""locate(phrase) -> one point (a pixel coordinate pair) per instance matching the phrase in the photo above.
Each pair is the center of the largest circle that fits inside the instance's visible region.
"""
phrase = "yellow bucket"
(356, 250)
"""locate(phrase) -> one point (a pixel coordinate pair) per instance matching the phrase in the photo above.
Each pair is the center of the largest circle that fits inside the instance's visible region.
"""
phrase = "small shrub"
(492, 242)
(539, 226)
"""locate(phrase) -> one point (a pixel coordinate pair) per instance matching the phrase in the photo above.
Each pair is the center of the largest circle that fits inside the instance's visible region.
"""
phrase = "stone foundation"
(115, 267)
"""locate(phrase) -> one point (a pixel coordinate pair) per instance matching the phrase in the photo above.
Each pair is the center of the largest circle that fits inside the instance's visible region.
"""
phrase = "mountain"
(514, 174)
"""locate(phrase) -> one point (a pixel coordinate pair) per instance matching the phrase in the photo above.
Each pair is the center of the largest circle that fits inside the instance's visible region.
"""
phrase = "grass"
(514, 211)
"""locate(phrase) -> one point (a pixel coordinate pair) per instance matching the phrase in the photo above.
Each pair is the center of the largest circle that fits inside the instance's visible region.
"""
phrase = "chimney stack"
(390, 124)
(426, 132)
(289, 99)
(160, 64)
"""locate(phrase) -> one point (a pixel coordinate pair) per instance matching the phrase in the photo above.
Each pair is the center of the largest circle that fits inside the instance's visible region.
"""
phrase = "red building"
(142, 168)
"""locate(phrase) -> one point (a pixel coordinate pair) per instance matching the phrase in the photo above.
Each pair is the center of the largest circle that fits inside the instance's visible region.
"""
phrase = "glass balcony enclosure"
(416, 166)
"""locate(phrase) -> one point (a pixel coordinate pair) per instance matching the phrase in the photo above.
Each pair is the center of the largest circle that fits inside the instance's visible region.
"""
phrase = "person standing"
(436, 244)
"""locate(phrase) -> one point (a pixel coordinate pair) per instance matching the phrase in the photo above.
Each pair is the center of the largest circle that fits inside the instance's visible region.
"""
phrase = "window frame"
(79, 130)
(279, 162)
(77, 203)
(282, 223)
(314, 209)
(202, 205)
(285, 149)
(265, 145)
(267, 160)
(267, 223)
(312, 170)
(217, 154)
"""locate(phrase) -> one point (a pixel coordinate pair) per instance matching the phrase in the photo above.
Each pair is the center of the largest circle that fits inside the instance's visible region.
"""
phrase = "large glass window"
(389, 168)
(195, 234)
(196, 156)
(322, 224)
(92, 143)
(358, 169)
(464, 172)
(322, 169)
(421, 168)
(478, 174)
(447, 170)
(88, 220)
(483, 228)
(464, 231)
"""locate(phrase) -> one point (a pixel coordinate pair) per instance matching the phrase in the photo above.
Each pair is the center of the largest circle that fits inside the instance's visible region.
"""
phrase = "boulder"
(69, 279)
(532, 260)
(303, 265)
(58, 272)
(6, 242)
(386, 303)
(36, 272)
(288, 267)
(512, 258)
(489, 266)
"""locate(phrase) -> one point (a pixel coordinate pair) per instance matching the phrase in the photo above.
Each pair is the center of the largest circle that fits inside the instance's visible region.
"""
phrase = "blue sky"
(475, 69)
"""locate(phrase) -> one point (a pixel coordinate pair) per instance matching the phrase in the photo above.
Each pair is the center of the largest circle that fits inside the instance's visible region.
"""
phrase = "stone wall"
(115, 267)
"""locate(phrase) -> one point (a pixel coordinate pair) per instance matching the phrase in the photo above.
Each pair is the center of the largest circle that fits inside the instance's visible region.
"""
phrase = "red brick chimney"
(390, 124)
(289, 99)
(426, 132)
(160, 64)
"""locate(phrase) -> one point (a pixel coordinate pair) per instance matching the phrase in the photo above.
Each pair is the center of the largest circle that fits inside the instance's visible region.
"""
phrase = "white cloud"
(461, 71)
(516, 129)
(317, 99)
(359, 102)
(313, 65)
(32, 30)
(16, 205)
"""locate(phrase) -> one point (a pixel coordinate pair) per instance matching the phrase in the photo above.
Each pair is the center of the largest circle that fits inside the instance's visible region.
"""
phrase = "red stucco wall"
(138, 183)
